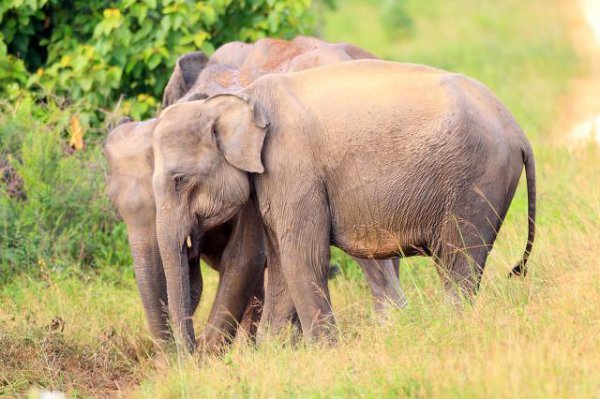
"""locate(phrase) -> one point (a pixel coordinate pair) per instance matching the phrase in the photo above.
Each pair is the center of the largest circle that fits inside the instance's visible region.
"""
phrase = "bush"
(98, 50)
(64, 217)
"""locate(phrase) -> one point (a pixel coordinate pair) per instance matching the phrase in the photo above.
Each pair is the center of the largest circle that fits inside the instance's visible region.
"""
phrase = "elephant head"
(128, 150)
(204, 151)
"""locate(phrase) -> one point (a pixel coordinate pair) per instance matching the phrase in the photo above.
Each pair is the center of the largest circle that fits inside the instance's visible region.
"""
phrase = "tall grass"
(533, 337)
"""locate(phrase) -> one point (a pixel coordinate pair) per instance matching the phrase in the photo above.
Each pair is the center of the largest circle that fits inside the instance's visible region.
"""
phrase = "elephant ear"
(240, 128)
(186, 71)
(111, 124)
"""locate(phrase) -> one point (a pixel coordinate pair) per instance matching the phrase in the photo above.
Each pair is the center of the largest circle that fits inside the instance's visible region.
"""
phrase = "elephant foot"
(211, 346)
(249, 324)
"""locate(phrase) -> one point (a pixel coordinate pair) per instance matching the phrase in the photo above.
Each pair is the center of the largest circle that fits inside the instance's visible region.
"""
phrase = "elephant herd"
(266, 154)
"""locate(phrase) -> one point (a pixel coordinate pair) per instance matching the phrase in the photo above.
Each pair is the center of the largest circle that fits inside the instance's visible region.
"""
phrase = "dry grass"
(523, 338)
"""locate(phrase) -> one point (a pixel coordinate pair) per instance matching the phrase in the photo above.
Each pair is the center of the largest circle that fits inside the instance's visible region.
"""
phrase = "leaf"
(86, 82)
(200, 38)
(76, 140)
(154, 61)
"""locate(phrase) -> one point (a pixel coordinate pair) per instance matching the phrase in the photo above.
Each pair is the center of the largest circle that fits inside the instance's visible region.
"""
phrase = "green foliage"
(396, 18)
(99, 50)
(65, 218)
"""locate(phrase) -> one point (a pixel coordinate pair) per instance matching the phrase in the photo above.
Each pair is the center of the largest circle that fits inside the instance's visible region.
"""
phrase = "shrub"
(98, 50)
(64, 218)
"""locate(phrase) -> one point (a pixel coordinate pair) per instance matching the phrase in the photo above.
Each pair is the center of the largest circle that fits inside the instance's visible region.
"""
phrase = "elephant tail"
(521, 268)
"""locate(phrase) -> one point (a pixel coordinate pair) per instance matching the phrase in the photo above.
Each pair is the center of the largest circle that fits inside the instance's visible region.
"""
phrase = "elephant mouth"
(191, 246)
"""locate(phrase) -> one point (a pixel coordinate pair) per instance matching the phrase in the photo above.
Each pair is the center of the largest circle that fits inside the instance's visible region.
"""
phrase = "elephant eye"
(179, 178)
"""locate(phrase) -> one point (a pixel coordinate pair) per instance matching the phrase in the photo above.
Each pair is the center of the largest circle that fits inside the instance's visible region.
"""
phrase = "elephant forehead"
(130, 140)
(181, 111)
(179, 139)
(193, 161)
(181, 128)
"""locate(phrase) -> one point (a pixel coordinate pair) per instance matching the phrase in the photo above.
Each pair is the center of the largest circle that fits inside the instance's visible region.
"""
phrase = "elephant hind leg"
(460, 256)
(253, 312)
(383, 281)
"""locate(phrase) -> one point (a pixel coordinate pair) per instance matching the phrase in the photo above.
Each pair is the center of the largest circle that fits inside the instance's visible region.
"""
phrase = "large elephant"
(235, 65)
(374, 157)
(129, 153)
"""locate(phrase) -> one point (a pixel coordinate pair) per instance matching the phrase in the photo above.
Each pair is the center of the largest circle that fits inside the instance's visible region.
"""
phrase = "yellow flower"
(112, 13)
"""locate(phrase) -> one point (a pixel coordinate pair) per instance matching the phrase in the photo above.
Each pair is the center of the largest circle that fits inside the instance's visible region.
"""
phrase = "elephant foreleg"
(278, 310)
(196, 283)
(240, 273)
(300, 243)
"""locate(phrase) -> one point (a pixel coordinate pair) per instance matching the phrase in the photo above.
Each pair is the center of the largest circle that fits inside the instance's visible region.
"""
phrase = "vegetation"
(71, 320)
(61, 216)
(99, 50)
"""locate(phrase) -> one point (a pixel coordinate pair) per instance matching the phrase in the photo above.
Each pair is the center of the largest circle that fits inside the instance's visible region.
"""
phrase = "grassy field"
(537, 337)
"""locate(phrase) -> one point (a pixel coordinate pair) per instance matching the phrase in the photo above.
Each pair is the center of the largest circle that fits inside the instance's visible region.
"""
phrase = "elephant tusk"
(188, 241)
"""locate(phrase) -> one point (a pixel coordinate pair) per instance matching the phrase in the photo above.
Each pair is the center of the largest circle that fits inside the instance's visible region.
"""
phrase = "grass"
(535, 337)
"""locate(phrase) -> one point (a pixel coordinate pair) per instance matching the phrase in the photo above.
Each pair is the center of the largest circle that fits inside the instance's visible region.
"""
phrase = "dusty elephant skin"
(377, 158)
(129, 153)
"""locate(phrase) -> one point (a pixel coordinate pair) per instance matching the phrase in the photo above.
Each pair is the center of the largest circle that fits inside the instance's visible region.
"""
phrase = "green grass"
(535, 337)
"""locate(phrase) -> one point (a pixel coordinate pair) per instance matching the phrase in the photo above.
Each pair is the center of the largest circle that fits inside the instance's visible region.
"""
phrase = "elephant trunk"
(174, 253)
(150, 279)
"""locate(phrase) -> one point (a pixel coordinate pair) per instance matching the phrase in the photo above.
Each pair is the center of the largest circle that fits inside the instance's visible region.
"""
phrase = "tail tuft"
(519, 270)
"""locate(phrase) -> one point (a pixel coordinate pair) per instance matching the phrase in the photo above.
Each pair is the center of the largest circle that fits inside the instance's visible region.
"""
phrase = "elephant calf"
(378, 158)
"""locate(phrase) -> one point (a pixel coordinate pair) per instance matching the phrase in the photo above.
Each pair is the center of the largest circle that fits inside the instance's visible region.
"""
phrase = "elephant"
(128, 149)
(377, 158)
(235, 65)
(229, 249)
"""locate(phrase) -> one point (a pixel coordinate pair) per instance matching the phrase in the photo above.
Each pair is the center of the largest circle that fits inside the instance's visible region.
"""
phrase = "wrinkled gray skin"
(374, 157)
(235, 65)
(130, 157)
(229, 249)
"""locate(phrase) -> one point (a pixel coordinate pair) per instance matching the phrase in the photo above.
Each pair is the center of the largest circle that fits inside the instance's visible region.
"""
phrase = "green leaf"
(86, 82)
(154, 60)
